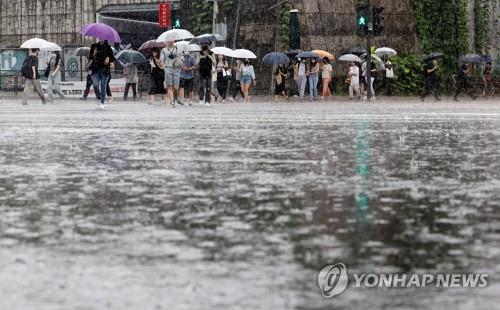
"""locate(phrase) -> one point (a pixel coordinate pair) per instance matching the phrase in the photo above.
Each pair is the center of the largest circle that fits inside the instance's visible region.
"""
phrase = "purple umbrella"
(101, 32)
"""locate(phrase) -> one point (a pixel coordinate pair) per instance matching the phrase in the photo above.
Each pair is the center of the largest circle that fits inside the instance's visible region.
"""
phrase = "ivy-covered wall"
(442, 26)
(449, 26)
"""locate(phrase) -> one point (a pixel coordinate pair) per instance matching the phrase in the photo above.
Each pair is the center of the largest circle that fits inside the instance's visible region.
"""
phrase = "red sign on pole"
(164, 15)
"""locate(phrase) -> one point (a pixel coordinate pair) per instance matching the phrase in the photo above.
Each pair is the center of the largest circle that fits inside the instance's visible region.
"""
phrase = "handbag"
(389, 73)
(226, 74)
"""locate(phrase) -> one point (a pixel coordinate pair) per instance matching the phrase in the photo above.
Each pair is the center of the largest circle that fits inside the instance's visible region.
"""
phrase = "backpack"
(206, 66)
(26, 69)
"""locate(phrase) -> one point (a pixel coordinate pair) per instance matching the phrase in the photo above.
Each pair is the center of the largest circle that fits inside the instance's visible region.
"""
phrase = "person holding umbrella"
(222, 77)
(463, 82)
(237, 68)
(302, 77)
(157, 75)
(388, 75)
(205, 64)
(132, 78)
(54, 78)
(101, 57)
(326, 75)
(171, 58)
(187, 76)
(313, 79)
(430, 79)
(247, 78)
(30, 72)
(354, 81)
(489, 90)
(280, 79)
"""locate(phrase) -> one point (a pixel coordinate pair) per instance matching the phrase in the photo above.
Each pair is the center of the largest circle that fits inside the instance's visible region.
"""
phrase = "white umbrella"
(184, 46)
(222, 50)
(175, 35)
(41, 44)
(385, 51)
(244, 54)
(350, 57)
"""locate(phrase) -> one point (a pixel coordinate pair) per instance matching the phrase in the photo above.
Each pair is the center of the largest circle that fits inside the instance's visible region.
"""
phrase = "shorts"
(172, 77)
(187, 84)
(246, 79)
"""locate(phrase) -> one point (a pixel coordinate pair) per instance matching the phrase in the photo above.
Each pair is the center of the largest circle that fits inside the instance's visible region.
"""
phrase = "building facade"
(60, 20)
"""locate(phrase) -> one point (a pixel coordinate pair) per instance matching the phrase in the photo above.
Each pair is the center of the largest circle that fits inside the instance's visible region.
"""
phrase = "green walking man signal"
(365, 26)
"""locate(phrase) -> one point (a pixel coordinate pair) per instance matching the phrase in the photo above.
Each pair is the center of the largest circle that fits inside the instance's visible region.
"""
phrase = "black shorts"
(362, 80)
(187, 84)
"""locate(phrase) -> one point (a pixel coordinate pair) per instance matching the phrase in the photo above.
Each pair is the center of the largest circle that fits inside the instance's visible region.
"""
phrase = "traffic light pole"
(368, 50)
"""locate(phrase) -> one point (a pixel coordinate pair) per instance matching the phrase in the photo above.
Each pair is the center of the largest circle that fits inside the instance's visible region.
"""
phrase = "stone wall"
(331, 25)
(54, 20)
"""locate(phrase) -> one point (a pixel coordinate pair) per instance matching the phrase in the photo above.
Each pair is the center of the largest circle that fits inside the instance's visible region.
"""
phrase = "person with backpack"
(205, 64)
(30, 73)
(187, 77)
(54, 77)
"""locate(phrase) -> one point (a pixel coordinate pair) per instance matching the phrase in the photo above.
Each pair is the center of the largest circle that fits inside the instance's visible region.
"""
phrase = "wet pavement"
(239, 206)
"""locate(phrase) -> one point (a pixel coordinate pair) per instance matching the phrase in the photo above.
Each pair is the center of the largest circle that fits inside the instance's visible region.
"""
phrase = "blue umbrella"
(473, 58)
(131, 56)
(486, 58)
(307, 55)
(275, 58)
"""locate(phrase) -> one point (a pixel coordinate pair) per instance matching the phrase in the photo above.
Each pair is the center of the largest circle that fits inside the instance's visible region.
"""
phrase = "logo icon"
(72, 67)
(333, 280)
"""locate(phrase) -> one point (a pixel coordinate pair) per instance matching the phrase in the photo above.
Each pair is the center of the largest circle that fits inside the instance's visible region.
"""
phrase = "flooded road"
(239, 207)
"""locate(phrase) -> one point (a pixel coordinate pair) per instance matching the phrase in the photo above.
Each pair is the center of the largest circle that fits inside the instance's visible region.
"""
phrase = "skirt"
(156, 86)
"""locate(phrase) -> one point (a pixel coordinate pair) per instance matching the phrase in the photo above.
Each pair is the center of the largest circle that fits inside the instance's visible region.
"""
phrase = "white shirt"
(354, 73)
(302, 68)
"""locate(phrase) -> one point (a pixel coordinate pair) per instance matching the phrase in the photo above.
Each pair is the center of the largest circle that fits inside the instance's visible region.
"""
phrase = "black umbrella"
(356, 50)
(83, 51)
(131, 56)
(275, 58)
(206, 39)
(432, 56)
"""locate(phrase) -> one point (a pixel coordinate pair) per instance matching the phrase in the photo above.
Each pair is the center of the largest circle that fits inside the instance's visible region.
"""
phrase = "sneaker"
(83, 99)
(110, 99)
(207, 104)
(101, 106)
(179, 102)
(201, 102)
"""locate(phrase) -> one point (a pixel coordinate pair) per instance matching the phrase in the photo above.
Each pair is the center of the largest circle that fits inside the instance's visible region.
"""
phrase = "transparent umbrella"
(175, 35)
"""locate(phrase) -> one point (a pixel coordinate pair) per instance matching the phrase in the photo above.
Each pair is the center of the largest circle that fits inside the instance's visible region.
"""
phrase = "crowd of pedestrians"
(174, 74)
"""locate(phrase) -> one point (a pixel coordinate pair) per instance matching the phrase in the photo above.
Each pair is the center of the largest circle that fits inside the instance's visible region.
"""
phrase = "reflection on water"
(142, 207)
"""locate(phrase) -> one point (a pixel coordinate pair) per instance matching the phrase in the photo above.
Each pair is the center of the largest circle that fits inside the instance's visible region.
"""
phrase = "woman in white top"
(326, 75)
(354, 85)
(247, 78)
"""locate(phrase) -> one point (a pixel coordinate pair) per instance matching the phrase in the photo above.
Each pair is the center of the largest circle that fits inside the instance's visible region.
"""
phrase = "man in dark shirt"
(462, 83)
(101, 57)
(430, 78)
(32, 78)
